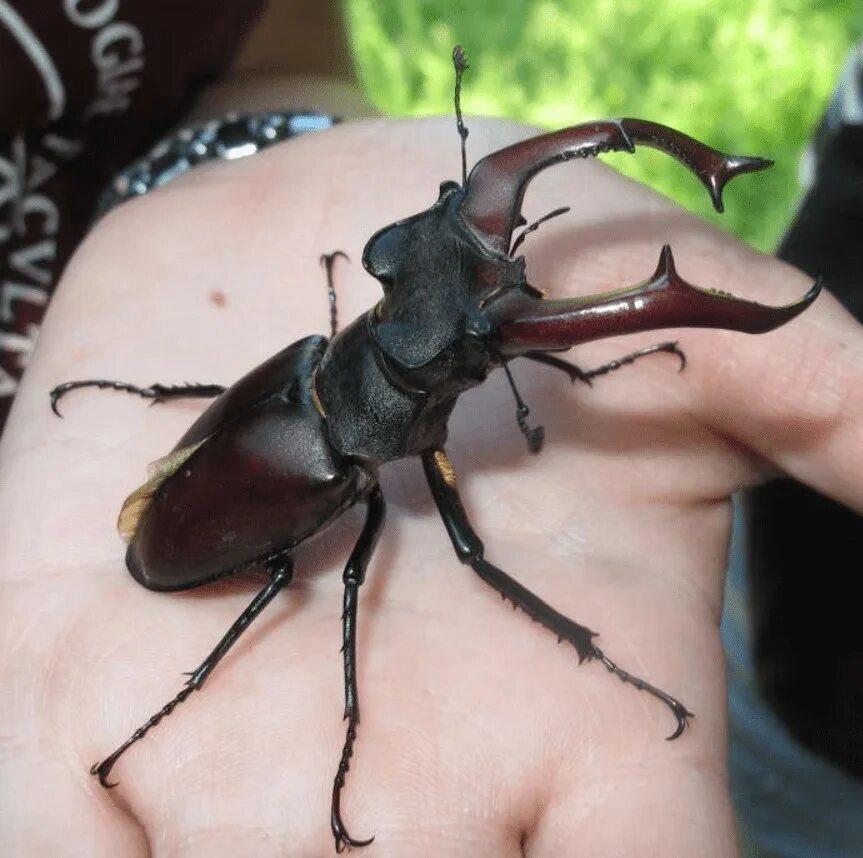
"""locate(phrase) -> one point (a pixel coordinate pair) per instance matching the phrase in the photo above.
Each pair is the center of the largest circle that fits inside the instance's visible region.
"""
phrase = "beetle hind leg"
(353, 577)
(155, 392)
(281, 571)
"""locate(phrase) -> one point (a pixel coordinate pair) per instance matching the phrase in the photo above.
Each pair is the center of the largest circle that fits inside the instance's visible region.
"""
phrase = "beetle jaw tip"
(813, 292)
(731, 167)
(795, 308)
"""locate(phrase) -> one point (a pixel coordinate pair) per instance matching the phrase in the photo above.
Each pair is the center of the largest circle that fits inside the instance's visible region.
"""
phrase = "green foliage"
(747, 77)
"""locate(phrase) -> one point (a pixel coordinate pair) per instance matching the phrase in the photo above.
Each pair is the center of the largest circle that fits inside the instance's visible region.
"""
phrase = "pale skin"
(480, 735)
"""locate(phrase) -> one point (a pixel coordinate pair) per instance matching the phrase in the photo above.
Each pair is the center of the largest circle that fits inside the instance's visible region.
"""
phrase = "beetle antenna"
(533, 227)
(534, 435)
(461, 64)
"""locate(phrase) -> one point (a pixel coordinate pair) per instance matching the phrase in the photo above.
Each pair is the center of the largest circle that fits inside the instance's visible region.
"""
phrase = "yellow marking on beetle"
(316, 399)
(136, 504)
(445, 468)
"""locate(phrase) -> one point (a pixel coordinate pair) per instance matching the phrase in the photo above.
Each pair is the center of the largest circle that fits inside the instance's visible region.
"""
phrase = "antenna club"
(460, 63)
(459, 59)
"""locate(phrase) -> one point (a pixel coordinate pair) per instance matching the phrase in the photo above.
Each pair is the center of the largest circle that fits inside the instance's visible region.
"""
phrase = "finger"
(794, 396)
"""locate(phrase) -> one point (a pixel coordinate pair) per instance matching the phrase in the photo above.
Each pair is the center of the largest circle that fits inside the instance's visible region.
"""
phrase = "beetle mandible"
(300, 439)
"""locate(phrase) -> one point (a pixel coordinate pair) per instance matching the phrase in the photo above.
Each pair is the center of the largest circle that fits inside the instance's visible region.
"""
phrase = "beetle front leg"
(281, 571)
(535, 435)
(576, 373)
(354, 575)
(155, 392)
(328, 260)
(470, 549)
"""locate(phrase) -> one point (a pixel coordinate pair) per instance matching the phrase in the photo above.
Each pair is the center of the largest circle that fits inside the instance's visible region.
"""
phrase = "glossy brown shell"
(266, 485)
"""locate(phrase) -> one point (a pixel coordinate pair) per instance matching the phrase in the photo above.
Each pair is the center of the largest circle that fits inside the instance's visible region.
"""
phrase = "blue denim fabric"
(789, 802)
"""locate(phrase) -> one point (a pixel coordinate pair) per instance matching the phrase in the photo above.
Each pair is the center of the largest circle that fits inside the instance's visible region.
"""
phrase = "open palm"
(479, 734)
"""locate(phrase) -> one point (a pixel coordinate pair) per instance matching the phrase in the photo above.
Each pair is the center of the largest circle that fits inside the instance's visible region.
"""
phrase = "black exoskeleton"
(285, 451)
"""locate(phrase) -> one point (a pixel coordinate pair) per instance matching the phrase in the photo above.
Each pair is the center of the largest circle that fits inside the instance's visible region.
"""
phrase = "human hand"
(480, 736)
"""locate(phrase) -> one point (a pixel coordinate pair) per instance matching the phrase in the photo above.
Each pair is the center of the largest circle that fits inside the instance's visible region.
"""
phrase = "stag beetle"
(290, 447)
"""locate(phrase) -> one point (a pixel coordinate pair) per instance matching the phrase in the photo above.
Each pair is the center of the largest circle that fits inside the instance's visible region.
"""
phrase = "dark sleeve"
(85, 85)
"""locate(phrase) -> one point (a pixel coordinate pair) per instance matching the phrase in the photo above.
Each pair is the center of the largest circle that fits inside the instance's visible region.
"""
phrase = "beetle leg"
(353, 577)
(534, 435)
(281, 571)
(575, 373)
(156, 392)
(328, 260)
(470, 549)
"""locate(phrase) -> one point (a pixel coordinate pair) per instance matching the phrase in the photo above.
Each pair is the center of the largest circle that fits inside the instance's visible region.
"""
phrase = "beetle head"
(453, 294)
(436, 275)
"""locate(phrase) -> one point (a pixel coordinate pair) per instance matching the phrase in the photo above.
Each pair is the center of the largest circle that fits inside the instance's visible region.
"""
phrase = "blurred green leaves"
(746, 77)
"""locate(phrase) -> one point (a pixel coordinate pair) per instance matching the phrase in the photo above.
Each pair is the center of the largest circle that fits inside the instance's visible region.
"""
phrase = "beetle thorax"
(388, 382)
